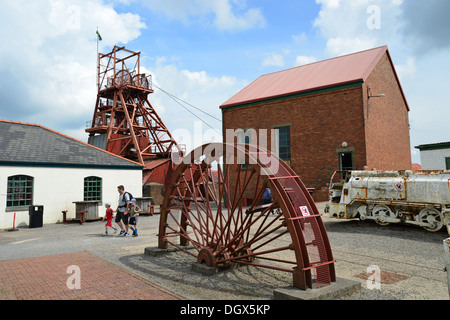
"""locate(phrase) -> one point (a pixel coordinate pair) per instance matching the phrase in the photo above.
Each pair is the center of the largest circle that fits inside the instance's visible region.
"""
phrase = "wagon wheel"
(122, 78)
(214, 203)
(381, 212)
(432, 217)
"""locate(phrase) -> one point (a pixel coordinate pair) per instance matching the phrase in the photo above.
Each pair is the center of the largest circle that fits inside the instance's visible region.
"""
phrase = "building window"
(245, 137)
(284, 144)
(447, 163)
(92, 189)
(19, 192)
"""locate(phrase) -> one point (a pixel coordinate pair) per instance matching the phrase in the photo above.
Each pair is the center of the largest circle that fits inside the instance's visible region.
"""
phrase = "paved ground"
(54, 278)
(410, 260)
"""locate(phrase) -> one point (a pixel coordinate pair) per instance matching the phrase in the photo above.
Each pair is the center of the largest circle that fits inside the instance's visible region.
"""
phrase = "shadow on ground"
(173, 271)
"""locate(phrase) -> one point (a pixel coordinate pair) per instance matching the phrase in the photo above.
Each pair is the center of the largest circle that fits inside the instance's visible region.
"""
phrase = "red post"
(14, 221)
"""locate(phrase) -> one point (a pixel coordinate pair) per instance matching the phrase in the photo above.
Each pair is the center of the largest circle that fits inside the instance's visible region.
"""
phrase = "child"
(108, 217)
(134, 213)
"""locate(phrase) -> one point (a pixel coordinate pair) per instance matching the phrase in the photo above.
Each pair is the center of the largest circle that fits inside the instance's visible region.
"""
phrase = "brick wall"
(320, 123)
(387, 121)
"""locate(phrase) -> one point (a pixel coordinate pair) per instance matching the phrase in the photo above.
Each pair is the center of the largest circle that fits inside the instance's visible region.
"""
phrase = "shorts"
(133, 220)
(121, 217)
(109, 222)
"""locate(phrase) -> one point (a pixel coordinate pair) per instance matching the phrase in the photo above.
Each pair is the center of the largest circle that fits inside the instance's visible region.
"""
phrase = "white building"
(435, 156)
(39, 166)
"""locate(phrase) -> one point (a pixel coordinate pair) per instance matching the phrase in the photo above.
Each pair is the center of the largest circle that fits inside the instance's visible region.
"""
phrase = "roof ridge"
(69, 137)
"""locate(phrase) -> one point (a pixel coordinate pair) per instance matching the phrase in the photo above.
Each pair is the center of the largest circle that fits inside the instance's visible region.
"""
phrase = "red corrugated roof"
(416, 166)
(152, 164)
(336, 71)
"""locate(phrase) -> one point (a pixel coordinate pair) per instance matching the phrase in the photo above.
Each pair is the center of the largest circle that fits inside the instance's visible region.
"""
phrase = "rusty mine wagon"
(419, 198)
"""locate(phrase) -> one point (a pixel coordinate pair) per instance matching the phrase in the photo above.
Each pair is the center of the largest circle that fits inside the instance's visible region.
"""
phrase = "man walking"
(267, 198)
(122, 210)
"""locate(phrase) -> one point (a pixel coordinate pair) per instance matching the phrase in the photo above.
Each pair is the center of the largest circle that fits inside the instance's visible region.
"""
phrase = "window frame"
(92, 188)
(447, 163)
(286, 156)
(26, 195)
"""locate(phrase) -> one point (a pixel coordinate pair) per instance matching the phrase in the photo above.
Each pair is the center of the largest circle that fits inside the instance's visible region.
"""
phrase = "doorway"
(345, 161)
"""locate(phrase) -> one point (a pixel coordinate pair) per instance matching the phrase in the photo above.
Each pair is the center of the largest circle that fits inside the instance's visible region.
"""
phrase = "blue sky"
(205, 51)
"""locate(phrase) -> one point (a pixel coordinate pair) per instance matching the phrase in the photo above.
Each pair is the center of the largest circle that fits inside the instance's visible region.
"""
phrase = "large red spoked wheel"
(215, 203)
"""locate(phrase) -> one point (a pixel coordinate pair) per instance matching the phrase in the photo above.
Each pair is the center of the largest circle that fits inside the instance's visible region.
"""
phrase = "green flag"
(99, 36)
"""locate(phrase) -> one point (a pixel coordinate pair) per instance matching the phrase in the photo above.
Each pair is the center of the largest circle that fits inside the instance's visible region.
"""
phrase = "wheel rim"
(433, 217)
(381, 212)
(207, 208)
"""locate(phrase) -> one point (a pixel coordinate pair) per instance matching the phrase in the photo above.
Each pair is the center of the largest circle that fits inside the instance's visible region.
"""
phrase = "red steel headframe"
(124, 121)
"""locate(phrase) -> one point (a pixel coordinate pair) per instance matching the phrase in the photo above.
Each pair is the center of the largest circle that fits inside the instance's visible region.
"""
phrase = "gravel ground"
(407, 251)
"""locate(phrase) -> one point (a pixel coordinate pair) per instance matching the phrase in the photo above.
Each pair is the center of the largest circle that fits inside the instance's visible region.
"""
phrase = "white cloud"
(197, 89)
(48, 71)
(341, 45)
(300, 39)
(350, 26)
(302, 60)
(426, 26)
(329, 3)
(274, 60)
(229, 15)
(417, 36)
(48, 74)
(227, 20)
(407, 71)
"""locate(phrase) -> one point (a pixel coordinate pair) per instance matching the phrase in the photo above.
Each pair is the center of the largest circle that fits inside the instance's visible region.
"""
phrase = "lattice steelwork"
(124, 122)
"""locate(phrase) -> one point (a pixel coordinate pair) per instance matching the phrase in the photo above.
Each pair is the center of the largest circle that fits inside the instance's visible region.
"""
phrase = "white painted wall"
(434, 159)
(57, 188)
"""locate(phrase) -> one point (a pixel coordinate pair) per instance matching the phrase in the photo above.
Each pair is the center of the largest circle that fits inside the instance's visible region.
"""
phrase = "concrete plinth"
(155, 251)
(204, 269)
(336, 290)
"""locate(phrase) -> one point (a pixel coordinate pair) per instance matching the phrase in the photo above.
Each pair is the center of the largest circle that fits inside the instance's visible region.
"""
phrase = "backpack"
(129, 194)
(131, 197)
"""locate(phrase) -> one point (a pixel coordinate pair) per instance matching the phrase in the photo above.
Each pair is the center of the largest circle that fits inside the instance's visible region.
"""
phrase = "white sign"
(304, 210)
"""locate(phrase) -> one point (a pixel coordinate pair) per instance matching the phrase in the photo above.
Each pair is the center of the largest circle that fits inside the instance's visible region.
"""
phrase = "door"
(345, 161)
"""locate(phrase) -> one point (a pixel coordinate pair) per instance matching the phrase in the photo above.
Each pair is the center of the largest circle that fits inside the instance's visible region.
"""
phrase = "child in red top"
(108, 217)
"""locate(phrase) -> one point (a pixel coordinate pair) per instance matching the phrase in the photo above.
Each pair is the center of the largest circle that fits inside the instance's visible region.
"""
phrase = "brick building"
(342, 113)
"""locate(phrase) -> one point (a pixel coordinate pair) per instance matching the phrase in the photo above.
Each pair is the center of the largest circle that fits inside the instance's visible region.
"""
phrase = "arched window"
(19, 192)
(92, 189)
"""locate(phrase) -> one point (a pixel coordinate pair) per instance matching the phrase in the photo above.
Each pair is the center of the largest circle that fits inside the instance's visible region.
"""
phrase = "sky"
(205, 51)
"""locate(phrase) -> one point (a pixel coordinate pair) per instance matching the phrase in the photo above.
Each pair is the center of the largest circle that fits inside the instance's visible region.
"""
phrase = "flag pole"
(97, 59)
